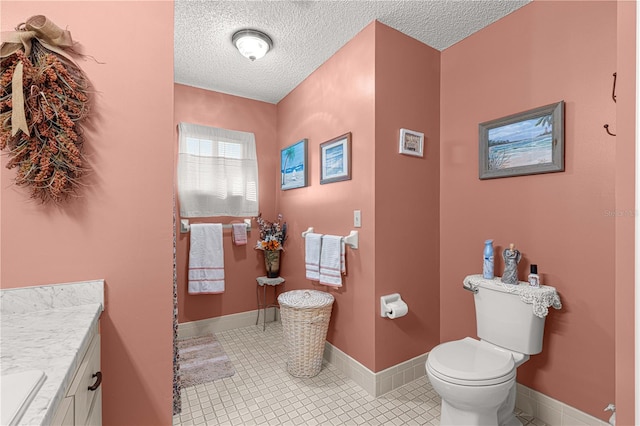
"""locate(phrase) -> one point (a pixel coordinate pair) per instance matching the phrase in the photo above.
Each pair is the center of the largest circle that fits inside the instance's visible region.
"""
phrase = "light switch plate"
(357, 219)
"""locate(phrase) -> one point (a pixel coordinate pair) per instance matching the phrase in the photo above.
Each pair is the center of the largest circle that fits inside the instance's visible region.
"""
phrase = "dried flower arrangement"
(272, 234)
(43, 99)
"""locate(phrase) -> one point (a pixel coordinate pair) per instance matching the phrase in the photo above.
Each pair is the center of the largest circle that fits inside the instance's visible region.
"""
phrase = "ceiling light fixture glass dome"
(252, 44)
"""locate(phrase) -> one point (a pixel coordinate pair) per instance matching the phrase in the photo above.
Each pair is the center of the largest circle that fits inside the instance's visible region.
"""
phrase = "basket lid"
(305, 299)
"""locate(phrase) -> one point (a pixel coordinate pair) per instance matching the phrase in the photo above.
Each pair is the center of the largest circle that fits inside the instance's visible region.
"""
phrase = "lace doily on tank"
(541, 298)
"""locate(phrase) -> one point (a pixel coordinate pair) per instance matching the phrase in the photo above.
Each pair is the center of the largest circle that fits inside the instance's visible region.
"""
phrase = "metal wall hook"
(606, 127)
(613, 96)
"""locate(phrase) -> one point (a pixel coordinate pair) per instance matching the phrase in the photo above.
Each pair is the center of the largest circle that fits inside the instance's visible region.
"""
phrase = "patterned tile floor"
(261, 392)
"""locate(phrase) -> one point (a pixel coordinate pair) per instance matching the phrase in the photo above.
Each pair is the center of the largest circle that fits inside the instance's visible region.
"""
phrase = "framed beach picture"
(293, 166)
(527, 143)
(411, 143)
(335, 159)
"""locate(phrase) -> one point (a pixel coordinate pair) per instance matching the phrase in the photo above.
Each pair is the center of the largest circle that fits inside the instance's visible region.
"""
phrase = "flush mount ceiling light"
(252, 44)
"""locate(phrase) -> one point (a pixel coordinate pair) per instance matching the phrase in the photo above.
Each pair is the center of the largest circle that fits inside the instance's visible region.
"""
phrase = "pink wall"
(335, 99)
(109, 233)
(625, 205)
(407, 245)
(538, 55)
(243, 264)
(342, 96)
(121, 227)
(320, 109)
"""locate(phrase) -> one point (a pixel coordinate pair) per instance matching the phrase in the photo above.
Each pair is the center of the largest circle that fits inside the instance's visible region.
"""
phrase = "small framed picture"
(411, 143)
(293, 166)
(335, 159)
(526, 143)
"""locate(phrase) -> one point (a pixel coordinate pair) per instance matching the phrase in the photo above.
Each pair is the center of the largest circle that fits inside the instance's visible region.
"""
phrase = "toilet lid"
(471, 362)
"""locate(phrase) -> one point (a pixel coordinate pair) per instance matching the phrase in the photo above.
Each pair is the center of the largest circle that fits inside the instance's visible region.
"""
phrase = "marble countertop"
(52, 340)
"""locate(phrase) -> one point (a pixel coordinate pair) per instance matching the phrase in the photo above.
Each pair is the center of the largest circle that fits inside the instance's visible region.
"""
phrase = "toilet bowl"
(476, 379)
(476, 382)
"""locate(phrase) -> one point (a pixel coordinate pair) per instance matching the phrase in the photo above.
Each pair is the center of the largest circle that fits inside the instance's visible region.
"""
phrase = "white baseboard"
(534, 403)
(551, 411)
(226, 322)
(379, 383)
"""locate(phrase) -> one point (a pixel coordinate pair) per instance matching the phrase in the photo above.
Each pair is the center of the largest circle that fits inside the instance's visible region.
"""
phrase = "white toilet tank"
(503, 319)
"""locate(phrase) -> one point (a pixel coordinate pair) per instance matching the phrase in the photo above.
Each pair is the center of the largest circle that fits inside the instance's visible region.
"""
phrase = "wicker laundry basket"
(305, 319)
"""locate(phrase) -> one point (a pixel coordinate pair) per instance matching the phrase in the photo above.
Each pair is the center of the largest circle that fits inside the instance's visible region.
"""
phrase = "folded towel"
(312, 246)
(206, 259)
(239, 234)
(332, 260)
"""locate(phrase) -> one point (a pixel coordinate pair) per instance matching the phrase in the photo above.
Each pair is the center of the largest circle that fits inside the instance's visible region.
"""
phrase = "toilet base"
(451, 416)
(502, 415)
(506, 415)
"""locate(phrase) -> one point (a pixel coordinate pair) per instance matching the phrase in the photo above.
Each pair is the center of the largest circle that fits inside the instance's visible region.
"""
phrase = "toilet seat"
(471, 362)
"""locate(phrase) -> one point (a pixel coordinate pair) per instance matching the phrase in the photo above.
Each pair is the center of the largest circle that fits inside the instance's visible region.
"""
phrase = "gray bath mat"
(202, 360)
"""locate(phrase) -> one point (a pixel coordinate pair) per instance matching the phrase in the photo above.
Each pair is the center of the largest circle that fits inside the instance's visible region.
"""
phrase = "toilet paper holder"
(384, 300)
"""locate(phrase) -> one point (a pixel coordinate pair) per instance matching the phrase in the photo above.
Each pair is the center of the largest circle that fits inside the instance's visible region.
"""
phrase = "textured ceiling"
(305, 34)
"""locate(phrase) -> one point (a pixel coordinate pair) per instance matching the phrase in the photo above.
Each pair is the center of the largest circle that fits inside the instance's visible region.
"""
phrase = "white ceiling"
(305, 34)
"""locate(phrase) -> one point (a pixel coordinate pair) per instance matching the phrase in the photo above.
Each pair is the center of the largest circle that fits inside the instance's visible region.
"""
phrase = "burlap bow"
(50, 37)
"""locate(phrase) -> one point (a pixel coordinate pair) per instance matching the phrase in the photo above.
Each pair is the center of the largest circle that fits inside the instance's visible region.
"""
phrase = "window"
(217, 172)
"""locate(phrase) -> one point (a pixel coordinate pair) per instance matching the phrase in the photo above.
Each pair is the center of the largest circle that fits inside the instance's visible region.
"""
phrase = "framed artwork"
(526, 143)
(335, 159)
(293, 166)
(411, 143)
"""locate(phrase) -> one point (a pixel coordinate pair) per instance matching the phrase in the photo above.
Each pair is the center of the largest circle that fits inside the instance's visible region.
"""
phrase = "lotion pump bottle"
(534, 278)
(487, 267)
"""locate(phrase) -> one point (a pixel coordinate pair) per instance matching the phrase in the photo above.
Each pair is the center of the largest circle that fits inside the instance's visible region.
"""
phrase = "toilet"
(476, 379)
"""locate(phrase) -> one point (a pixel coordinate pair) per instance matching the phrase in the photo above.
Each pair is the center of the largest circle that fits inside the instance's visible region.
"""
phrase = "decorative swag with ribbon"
(43, 99)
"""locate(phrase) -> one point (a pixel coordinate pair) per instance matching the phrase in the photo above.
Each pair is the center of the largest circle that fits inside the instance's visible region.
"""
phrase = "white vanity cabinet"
(82, 404)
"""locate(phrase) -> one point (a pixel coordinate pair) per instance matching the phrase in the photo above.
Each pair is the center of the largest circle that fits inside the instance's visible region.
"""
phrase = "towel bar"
(351, 240)
(185, 227)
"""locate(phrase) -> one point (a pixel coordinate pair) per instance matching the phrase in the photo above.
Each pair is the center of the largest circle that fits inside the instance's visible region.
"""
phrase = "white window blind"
(217, 172)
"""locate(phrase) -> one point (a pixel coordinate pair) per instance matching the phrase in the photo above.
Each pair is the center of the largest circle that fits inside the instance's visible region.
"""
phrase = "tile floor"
(261, 392)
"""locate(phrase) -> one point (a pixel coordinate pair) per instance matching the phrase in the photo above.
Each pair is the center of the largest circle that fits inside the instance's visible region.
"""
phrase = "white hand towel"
(332, 260)
(239, 233)
(312, 245)
(343, 257)
(206, 259)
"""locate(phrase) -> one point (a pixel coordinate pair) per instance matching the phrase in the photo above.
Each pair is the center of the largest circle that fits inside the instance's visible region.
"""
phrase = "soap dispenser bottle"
(534, 278)
(487, 267)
